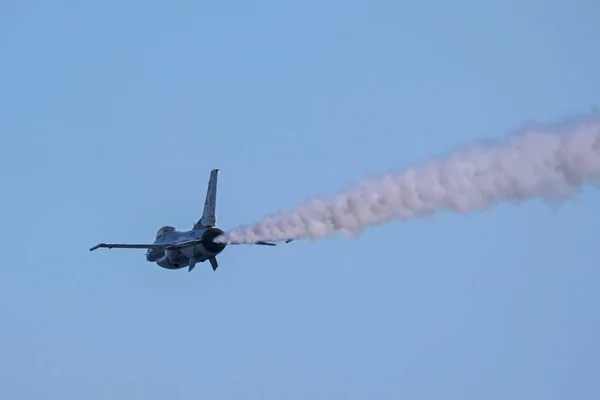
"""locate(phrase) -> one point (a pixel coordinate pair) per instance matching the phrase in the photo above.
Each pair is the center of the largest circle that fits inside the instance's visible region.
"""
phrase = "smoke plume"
(539, 161)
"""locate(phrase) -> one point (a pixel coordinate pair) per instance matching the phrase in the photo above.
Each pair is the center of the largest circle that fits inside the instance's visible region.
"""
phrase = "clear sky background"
(113, 113)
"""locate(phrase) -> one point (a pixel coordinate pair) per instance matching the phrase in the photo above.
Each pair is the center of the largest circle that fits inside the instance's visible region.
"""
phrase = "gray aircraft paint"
(174, 249)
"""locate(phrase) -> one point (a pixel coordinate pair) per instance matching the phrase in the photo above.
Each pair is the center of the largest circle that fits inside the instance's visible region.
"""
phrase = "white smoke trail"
(539, 162)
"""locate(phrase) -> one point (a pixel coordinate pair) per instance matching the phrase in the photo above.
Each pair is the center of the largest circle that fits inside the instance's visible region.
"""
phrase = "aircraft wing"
(269, 243)
(179, 245)
(260, 242)
(126, 246)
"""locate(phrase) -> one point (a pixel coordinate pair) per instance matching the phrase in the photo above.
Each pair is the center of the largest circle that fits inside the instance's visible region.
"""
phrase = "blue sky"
(113, 114)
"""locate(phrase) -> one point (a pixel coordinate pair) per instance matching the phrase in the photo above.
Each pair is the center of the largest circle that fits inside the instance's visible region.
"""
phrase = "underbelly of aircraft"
(180, 258)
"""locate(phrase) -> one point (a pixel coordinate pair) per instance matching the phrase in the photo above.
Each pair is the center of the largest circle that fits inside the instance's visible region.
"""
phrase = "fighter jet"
(174, 249)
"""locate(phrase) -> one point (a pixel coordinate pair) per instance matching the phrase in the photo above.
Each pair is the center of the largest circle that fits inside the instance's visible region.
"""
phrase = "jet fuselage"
(173, 249)
(180, 257)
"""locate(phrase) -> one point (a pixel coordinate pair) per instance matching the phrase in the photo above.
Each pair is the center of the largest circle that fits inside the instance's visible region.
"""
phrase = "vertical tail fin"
(209, 217)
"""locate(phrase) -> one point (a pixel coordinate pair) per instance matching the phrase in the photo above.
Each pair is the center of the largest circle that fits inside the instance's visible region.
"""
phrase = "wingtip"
(97, 246)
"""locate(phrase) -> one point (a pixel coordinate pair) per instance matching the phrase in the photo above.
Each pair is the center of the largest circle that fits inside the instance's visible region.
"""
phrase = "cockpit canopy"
(164, 230)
